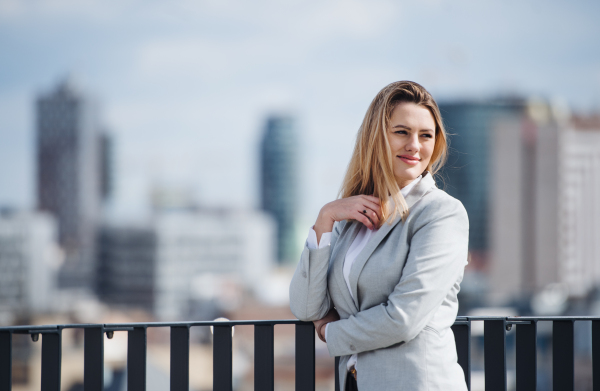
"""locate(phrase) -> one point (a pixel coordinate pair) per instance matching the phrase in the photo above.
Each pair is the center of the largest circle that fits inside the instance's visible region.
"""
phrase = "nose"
(413, 143)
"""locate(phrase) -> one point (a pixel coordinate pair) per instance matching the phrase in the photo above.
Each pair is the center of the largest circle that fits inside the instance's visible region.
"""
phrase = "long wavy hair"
(370, 170)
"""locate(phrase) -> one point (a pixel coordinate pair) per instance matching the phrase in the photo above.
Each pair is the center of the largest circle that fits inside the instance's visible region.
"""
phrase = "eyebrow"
(409, 128)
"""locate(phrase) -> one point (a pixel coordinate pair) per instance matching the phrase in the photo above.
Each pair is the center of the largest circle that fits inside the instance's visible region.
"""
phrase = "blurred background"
(165, 160)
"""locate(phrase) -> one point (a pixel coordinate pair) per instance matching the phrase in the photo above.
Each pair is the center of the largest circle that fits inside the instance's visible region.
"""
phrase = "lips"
(409, 159)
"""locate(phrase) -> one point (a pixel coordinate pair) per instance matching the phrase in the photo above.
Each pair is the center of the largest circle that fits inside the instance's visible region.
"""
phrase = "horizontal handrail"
(124, 326)
(495, 328)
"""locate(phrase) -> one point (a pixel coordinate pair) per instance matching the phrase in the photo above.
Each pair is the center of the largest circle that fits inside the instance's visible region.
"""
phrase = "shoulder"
(435, 205)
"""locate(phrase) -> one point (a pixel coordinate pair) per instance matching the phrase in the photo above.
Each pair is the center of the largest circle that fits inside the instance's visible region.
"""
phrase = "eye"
(428, 135)
(400, 132)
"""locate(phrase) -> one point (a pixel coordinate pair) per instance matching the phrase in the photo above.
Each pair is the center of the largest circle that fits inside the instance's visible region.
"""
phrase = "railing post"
(305, 357)
(462, 337)
(264, 358)
(337, 373)
(563, 359)
(222, 357)
(136, 359)
(494, 340)
(51, 357)
(180, 358)
(526, 351)
(596, 354)
(5, 361)
(93, 361)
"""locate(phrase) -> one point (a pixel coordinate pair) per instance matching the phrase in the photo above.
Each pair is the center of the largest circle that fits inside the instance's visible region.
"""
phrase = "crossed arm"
(438, 254)
(436, 261)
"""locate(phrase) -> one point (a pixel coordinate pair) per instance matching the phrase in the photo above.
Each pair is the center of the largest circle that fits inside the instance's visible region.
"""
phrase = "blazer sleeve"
(309, 296)
(436, 260)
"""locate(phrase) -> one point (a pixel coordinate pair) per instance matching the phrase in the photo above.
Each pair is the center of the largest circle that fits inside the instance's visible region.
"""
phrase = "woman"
(381, 269)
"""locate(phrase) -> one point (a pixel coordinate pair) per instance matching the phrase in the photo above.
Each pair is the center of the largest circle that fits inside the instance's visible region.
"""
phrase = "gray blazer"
(405, 283)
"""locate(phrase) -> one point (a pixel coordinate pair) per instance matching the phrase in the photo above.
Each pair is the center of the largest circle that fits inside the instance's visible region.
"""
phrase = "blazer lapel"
(339, 254)
(425, 185)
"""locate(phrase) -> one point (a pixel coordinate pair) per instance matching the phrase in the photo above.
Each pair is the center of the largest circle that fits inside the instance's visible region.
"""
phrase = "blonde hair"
(370, 170)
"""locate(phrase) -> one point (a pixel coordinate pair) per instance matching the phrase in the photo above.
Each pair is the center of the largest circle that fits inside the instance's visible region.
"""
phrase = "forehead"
(412, 115)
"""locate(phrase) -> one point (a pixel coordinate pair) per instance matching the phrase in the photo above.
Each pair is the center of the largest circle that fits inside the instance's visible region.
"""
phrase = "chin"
(407, 176)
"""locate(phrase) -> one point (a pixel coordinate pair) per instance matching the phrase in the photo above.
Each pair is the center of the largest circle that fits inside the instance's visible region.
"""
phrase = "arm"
(436, 261)
(309, 297)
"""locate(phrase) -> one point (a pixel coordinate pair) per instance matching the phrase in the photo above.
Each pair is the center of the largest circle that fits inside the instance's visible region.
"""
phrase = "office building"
(184, 260)
(72, 153)
(126, 266)
(544, 218)
(279, 182)
(578, 207)
(523, 202)
(29, 258)
(466, 175)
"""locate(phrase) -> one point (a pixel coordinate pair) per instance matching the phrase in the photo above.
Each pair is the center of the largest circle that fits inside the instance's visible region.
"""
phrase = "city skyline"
(183, 91)
(172, 76)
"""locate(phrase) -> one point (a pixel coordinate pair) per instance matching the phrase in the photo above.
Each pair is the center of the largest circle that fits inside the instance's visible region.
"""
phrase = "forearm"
(309, 298)
(368, 330)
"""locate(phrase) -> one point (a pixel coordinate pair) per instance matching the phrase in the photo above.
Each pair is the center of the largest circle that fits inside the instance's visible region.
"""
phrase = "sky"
(185, 86)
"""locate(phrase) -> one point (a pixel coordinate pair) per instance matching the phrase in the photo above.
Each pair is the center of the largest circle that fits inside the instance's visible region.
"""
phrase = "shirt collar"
(406, 189)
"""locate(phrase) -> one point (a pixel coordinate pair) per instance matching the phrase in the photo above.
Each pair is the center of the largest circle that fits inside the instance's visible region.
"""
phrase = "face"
(412, 137)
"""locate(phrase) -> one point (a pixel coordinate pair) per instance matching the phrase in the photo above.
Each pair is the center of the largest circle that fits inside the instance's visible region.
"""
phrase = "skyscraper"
(523, 203)
(70, 182)
(279, 181)
(466, 175)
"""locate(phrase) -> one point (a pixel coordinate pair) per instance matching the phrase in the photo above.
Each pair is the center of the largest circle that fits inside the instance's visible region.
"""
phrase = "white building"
(545, 221)
(187, 257)
(523, 196)
(198, 248)
(29, 257)
(579, 210)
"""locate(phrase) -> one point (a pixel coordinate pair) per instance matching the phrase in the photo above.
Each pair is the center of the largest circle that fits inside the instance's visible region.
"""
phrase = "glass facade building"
(279, 181)
(466, 175)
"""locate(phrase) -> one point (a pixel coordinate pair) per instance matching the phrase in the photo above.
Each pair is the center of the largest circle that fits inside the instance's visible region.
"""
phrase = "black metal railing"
(495, 328)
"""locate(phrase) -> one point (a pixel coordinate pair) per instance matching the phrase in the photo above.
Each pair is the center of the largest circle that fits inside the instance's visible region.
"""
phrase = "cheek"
(429, 151)
(395, 145)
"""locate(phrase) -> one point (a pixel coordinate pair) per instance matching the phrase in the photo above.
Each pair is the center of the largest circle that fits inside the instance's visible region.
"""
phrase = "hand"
(363, 208)
(320, 324)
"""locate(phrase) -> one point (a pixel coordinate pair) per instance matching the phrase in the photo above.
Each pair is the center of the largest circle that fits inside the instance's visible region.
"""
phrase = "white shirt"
(359, 243)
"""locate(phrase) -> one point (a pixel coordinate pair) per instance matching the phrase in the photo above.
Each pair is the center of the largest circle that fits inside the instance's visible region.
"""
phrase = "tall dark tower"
(467, 172)
(70, 151)
(279, 181)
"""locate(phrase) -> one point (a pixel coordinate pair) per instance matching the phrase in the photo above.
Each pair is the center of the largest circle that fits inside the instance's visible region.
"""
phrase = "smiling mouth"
(409, 160)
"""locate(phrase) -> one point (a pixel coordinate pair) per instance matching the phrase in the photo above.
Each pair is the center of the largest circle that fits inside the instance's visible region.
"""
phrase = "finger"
(321, 337)
(319, 333)
(372, 214)
(367, 207)
(373, 199)
(371, 205)
(373, 217)
(363, 219)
